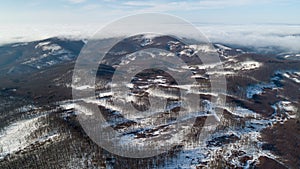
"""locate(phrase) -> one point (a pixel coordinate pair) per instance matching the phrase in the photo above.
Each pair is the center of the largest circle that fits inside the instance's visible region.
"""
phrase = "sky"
(196, 11)
(245, 22)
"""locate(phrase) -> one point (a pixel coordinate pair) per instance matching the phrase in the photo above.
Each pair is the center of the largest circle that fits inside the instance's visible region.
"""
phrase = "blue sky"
(103, 11)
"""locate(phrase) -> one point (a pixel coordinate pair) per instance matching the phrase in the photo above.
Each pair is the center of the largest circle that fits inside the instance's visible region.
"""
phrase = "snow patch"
(258, 89)
(14, 137)
(223, 47)
(84, 87)
(247, 65)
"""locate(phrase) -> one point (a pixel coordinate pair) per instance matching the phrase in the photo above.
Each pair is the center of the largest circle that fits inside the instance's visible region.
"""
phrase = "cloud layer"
(284, 36)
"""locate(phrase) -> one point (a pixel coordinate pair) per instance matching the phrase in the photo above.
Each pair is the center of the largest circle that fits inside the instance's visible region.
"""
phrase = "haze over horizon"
(245, 22)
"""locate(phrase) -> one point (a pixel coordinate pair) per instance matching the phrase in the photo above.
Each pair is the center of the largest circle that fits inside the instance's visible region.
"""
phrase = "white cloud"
(285, 36)
(26, 33)
(91, 6)
(76, 1)
(163, 6)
